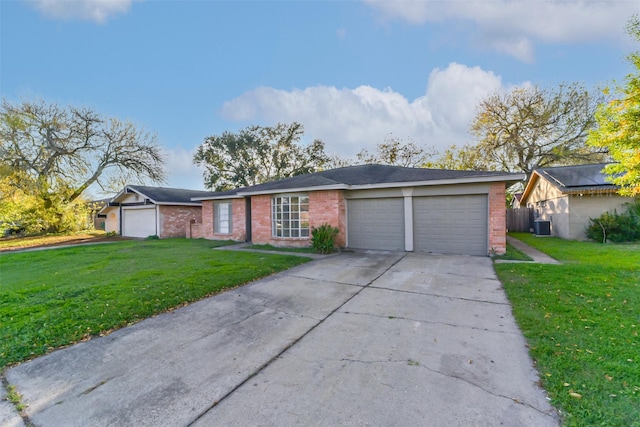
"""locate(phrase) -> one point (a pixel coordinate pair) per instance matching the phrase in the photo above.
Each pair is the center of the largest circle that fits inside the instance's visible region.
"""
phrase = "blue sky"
(352, 72)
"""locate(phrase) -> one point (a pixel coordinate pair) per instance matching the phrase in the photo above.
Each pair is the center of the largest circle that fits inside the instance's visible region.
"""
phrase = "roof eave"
(295, 190)
(178, 203)
(450, 181)
(230, 196)
(465, 180)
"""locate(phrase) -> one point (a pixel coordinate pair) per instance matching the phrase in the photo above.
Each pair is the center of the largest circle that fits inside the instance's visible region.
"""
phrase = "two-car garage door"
(442, 224)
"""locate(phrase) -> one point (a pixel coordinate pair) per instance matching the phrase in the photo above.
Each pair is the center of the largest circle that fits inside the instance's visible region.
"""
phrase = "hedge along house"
(568, 196)
(140, 211)
(374, 207)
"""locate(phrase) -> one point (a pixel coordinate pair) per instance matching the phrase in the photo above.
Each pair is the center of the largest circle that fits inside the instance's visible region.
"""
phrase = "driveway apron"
(368, 338)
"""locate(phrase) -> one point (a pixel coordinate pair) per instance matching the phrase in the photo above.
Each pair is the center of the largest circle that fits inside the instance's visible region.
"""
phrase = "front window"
(222, 218)
(290, 216)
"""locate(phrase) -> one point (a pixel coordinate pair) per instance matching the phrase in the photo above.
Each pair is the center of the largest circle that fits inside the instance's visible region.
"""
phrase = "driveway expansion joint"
(390, 317)
(291, 344)
(440, 296)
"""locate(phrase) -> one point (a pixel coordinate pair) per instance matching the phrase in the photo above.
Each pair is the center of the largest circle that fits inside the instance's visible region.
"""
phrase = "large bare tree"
(394, 151)
(75, 147)
(530, 127)
(52, 154)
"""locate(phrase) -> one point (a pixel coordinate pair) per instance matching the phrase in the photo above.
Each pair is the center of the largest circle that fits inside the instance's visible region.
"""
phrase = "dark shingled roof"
(368, 175)
(577, 178)
(168, 195)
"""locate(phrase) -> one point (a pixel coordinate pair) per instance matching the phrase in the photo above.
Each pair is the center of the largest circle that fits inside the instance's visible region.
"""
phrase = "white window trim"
(218, 221)
(303, 232)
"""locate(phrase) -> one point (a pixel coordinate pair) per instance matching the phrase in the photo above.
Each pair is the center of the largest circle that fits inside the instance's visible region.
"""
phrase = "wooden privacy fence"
(520, 219)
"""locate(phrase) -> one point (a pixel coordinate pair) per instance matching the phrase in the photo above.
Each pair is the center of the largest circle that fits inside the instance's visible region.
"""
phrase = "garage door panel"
(451, 224)
(139, 222)
(376, 224)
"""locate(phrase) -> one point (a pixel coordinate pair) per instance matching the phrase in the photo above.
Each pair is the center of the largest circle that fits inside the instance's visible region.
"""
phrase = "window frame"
(290, 216)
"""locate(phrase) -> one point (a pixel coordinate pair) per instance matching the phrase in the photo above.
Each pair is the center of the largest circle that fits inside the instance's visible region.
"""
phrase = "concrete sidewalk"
(355, 339)
(537, 256)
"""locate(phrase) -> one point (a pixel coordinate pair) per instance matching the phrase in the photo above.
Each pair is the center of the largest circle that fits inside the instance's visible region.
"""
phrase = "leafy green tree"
(257, 154)
(531, 127)
(619, 126)
(396, 152)
(53, 154)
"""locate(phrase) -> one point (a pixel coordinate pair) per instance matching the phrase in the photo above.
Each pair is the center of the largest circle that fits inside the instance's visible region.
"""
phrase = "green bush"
(323, 238)
(615, 227)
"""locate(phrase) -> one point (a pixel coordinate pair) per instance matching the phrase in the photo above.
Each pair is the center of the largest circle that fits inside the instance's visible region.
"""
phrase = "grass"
(56, 297)
(582, 322)
(267, 247)
(513, 254)
(20, 242)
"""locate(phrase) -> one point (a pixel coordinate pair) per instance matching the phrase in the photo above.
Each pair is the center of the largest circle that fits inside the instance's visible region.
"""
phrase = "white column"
(408, 219)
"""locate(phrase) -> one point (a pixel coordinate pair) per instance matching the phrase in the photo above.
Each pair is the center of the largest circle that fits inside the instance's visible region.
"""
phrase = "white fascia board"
(198, 199)
(178, 204)
(296, 190)
(469, 180)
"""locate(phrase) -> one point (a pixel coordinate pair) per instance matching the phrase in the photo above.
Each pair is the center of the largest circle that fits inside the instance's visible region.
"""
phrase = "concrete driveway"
(354, 339)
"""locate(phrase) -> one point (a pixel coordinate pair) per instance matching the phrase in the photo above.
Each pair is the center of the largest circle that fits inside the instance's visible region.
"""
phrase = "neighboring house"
(373, 206)
(139, 211)
(95, 218)
(568, 196)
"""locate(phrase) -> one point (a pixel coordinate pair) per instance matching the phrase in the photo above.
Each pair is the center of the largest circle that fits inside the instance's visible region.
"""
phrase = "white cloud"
(348, 120)
(182, 173)
(87, 10)
(511, 27)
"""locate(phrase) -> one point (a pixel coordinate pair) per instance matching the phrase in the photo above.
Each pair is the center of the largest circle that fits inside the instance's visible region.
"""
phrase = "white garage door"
(139, 222)
(376, 224)
(451, 224)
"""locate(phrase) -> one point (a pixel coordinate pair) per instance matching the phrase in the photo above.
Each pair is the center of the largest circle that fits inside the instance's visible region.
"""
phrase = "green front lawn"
(55, 297)
(582, 322)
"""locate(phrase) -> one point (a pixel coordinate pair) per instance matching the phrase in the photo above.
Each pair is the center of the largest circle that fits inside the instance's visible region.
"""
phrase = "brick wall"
(195, 230)
(328, 207)
(324, 207)
(207, 219)
(174, 219)
(206, 229)
(261, 219)
(497, 218)
(238, 220)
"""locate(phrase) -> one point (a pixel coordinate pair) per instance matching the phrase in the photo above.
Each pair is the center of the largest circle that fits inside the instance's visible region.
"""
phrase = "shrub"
(615, 227)
(323, 238)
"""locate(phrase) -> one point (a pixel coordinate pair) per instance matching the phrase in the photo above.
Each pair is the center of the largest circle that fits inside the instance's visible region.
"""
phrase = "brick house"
(375, 207)
(140, 211)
